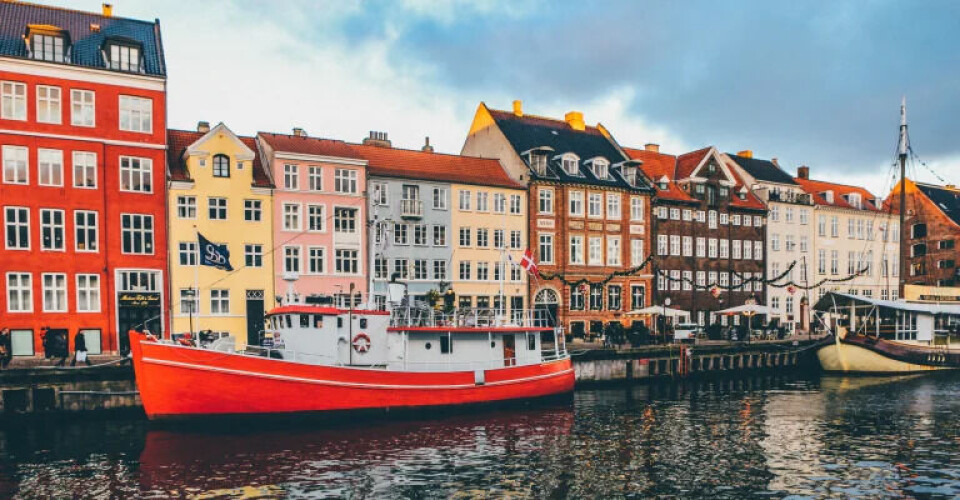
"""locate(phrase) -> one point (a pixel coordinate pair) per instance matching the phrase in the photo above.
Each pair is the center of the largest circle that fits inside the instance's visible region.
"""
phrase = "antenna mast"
(904, 147)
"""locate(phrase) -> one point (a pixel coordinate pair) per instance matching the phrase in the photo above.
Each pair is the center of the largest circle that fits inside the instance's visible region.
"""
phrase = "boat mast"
(903, 148)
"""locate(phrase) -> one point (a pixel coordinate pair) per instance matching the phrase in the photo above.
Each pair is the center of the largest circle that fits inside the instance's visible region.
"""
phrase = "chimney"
(653, 148)
(746, 153)
(378, 139)
(774, 161)
(299, 132)
(427, 148)
(108, 10)
(203, 127)
(803, 172)
(518, 108)
(575, 120)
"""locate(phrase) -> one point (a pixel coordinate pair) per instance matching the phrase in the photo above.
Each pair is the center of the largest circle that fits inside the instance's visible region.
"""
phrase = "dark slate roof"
(85, 43)
(762, 170)
(947, 200)
(529, 132)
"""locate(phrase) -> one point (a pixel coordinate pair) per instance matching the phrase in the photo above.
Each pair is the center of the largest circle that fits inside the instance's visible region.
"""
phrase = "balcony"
(411, 209)
(791, 197)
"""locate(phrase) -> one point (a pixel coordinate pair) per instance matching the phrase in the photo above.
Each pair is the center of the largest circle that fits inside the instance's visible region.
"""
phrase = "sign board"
(139, 299)
(637, 229)
(576, 224)
(546, 223)
(615, 228)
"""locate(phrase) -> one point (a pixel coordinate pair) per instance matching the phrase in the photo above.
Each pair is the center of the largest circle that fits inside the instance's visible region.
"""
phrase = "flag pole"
(195, 306)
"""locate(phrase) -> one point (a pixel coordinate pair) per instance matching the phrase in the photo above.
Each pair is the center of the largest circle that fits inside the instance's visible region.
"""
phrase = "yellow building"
(489, 224)
(217, 187)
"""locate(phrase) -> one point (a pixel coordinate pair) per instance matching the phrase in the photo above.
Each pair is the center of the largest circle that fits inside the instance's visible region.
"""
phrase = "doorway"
(255, 313)
(509, 350)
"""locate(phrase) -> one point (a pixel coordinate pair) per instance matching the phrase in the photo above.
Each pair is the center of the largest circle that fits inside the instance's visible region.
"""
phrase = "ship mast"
(903, 147)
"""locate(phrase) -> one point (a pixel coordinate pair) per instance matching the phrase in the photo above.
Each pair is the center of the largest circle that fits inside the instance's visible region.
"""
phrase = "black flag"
(214, 255)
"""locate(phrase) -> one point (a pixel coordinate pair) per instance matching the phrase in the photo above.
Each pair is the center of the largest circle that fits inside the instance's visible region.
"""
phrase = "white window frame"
(315, 178)
(316, 254)
(143, 169)
(82, 160)
(49, 167)
(58, 290)
(614, 251)
(13, 100)
(636, 208)
(49, 97)
(54, 228)
(83, 108)
(545, 240)
(214, 206)
(18, 223)
(346, 181)
(291, 177)
(22, 164)
(23, 289)
(88, 287)
(135, 109)
(79, 226)
(320, 216)
(138, 233)
(292, 212)
(219, 301)
(545, 203)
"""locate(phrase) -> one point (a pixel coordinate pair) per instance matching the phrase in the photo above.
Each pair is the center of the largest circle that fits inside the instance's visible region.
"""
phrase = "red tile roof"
(308, 145)
(413, 164)
(687, 162)
(179, 140)
(817, 188)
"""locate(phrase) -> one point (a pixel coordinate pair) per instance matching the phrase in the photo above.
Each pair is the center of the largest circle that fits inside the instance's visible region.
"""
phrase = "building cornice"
(111, 142)
(80, 73)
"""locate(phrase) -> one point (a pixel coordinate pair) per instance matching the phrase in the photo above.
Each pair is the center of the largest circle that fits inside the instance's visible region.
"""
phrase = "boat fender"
(361, 342)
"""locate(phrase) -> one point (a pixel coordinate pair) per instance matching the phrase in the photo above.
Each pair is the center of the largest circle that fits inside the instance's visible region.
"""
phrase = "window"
(401, 234)
(188, 301)
(675, 280)
(724, 249)
(315, 259)
(701, 247)
(757, 250)
(348, 261)
(253, 255)
(13, 101)
(788, 243)
(663, 242)
(637, 297)
(595, 205)
(747, 250)
(515, 240)
(401, 268)
(50, 167)
(614, 297)
(515, 205)
(465, 200)
(84, 170)
(613, 250)
(188, 253)
(136, 174)
(713, 219)
(48, 104)
(291, 177)
(440, 270)
(85, 226)
(546, 248)
(576, 298)
(345, 181)
(636, 208)
(834, 262)
(291, 259)
(420, 269)
(822, 225)
(545, 201)
(674, 244)
(735, 249)
(576, 249)
(420, 234)
(482, 202)
(252, 211)
(88, 293)
(219, 301)
(499, 203)
(789, 215)
(439, 198)
(345, 219)
(52, 228)
(688, 246)
(571, 165)
(217, 208)
(775, 213)
(19, 292)
(636, 252)
(315, 218)
(483, 239)
(804, 244)
(576, 203)
(734, 219)
(498, 238)
(17, 228)
(137, 233)
(595, 257)
(221, 166)
(774, 242)
(82, 108)
(54, 292)
(834, 226)
(379, 194)
(124, 57)
(315, 180)
(724, 219)
(596, 297)
(439, 236)
(674, 214)
(613, 206)
(136, 114)
(15, 169)
(465, 270)
(712, 248)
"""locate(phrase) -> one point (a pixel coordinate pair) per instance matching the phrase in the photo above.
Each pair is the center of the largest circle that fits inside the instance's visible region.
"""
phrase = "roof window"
(48, 43)
(123, 55)
(571, 164)
(600, 168)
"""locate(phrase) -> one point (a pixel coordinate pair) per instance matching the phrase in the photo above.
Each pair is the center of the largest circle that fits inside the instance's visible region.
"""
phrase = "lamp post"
(191, 293)
(666, 302)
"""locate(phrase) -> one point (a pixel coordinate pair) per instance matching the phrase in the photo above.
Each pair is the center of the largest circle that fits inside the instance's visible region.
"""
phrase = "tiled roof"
(412, 164)
(86, 43)
(816, 189)
(762, 170)
(656, 166)
(687, 162)
(946, 199)
(179, 140)
(529, 132)
(309, 145)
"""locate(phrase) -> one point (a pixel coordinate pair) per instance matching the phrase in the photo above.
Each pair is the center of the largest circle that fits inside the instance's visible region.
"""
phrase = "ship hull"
(178, 382)
(867, 355)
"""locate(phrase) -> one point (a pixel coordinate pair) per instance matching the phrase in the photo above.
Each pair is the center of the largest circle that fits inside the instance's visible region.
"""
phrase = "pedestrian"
(46, 340)
(80, 349)
(6, 348)
(61, 347)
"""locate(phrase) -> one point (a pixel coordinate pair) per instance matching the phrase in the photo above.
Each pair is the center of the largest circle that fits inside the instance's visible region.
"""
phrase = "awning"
(660, 310)
(747, 309)
(836, 299)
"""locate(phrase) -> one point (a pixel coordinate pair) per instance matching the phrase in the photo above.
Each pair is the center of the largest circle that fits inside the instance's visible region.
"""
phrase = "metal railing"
(469, 318)
(411, 208)
(791, 197)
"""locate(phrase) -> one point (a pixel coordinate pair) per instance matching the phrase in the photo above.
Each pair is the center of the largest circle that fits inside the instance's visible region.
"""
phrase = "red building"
(82, 145)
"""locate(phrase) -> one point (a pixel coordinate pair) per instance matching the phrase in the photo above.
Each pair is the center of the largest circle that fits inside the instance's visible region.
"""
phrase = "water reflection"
(734, 438)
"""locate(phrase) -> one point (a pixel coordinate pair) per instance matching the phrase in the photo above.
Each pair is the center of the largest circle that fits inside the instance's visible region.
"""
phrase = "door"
(255, 315)
(509, 350)
(134, 317)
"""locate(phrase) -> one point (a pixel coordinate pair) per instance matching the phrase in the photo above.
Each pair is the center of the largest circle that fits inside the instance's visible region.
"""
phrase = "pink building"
(319, 214)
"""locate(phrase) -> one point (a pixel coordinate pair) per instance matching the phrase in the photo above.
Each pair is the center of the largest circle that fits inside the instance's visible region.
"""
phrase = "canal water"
(767, 436)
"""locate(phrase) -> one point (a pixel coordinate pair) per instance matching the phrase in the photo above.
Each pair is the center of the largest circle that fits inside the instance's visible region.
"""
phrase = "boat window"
(493, 344)
(531, 342)
(304, 321)
(318, 321)
(289, 321)
(339, 322)
(363, 322)
(427, 346)
(446, 343)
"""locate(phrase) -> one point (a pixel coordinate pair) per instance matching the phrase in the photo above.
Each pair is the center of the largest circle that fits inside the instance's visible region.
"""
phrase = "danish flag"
(528, 263)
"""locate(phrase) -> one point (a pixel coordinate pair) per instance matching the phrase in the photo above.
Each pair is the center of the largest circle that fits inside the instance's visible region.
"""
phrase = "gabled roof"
(86, 43)
(762, 170)
(179, 140)
(314, 146)
(529, 132)
(945, 198)
(656, 166)
(816, 189)
(687, 163)
(413, 164)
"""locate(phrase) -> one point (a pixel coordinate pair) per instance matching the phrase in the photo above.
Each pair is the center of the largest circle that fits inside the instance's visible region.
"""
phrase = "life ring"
(361, 342)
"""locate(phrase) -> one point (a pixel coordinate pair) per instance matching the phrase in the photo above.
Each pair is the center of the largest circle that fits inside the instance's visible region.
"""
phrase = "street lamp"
(190, 293)
(666, 302)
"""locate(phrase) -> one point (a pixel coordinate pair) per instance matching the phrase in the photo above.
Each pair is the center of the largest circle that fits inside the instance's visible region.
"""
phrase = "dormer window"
(221, 166)
(123, 55)
(663, 183)
(571, 165)
(601, 169)
(630, 174)
(538, 163)
(47, 43)
(711, 168)
(828, 195)
(855, 201)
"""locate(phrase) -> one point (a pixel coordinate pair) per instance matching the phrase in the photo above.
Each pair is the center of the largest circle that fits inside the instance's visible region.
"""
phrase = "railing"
(484, 364)
(411, 208)
(791, 197)
(469, 318)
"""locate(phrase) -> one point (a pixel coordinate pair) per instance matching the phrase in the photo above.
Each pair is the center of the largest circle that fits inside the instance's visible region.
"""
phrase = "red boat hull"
(177, 382)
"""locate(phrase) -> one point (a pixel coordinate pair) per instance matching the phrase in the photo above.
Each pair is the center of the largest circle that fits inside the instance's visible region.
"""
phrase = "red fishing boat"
(326, 359)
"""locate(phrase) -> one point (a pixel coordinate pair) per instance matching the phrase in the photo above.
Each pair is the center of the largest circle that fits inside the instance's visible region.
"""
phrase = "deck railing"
(466, 318)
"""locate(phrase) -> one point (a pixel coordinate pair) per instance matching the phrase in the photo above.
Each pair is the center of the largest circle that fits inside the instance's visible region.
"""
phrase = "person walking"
(80, 349)
(6, 347)
(61, 347)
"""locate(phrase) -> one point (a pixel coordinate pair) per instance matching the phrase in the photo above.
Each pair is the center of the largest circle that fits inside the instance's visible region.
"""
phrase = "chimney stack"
(746, 153)
(427, 148)
(518, 108)
(108, 10)
(803, 172)
(774, 161)
(203, 127)
(575, 120)
(378, 139)
(299, 132)
(652, 147)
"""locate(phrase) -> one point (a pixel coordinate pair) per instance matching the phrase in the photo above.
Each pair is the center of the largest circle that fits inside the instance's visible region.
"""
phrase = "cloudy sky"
(812, 82)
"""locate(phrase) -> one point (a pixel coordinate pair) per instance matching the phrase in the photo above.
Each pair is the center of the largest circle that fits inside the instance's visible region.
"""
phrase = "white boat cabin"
(922, 323)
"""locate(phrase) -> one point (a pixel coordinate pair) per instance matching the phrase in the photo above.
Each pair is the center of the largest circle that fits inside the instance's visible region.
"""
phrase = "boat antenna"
(904, 147)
